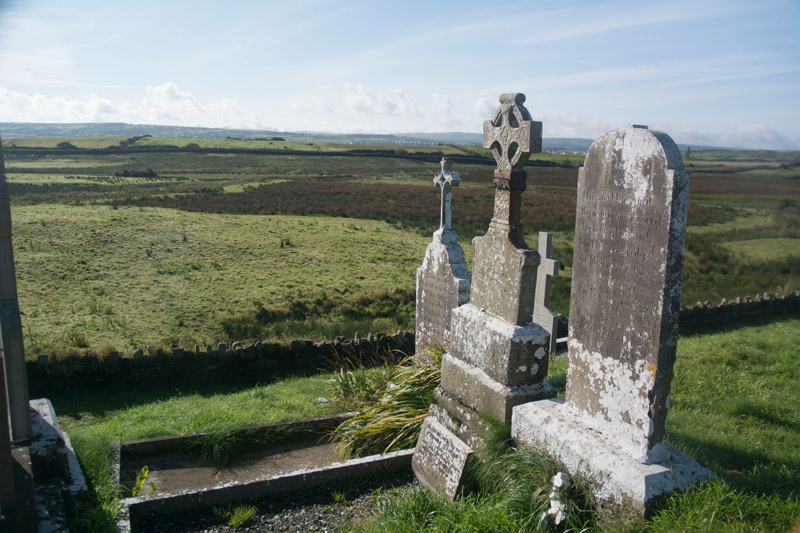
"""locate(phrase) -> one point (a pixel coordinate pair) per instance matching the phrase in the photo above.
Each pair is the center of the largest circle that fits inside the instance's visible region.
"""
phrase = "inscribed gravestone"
(497, 358)
(443, 280)
(630, 234)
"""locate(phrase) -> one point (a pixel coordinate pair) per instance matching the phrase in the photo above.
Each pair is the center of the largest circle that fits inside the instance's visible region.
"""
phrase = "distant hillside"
(32, 129)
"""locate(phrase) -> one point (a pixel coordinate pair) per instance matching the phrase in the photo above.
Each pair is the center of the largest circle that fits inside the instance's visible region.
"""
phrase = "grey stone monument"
(497, 357)
(443, 280)
(630, 234)
(542, 314)
(10, 323)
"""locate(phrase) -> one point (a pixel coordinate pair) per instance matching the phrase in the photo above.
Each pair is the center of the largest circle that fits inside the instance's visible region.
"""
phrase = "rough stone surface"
(497, 358)
(616, 477)
(630, 234)
(440, 459)
(443, 280)
(474, 388)
(506, 352)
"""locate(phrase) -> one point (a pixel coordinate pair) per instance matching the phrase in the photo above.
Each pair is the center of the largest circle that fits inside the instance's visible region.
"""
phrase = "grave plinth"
(497, 357)
(630, 235)
(443, 280)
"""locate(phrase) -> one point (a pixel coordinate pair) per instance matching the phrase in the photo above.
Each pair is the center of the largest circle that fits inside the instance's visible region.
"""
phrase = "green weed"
(393, 406)
(236, 515)
(141, 479)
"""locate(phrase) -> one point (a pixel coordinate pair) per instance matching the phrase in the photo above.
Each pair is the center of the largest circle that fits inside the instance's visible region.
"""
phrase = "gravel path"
(311, 510)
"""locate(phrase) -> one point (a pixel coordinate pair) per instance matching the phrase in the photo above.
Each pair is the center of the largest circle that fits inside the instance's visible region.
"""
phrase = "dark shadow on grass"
(750, 471)
(766, 413)
(688, 330)
(99, 400)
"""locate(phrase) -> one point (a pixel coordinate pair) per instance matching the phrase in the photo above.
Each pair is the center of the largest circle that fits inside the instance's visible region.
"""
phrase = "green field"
(157, 242)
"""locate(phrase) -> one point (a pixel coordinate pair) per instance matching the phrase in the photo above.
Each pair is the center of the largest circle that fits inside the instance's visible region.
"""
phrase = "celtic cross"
(446, 179)
(512, 135)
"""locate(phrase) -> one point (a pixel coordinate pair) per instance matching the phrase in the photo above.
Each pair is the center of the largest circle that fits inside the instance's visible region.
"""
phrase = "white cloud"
(164, 104)
(573, 126)
(483, 108)
(753, 135)
(367, 102)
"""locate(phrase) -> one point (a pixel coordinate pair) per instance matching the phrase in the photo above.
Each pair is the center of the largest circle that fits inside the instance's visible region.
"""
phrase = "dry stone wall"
(261, 361)
(238, 362)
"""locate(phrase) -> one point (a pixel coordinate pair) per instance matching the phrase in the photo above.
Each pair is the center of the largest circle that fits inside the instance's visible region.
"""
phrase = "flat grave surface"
(176, 472)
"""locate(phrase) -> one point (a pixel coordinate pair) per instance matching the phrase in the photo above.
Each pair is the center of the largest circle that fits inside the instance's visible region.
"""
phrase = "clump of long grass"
(512, 489)
(224, 446)
(392, 402)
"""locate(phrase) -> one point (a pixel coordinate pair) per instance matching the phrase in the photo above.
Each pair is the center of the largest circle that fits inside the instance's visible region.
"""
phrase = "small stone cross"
(542, 314)
(509, 134)
(446, 179)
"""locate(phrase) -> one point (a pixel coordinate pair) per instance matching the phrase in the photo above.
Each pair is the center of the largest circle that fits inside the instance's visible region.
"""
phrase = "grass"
(392, 403)
(94, 419)
(132, 277)
(236, 515)
(765, 249)
(723, 412)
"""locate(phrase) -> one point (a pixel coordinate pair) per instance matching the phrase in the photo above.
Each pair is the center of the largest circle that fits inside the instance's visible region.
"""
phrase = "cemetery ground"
(159, 245)
(184, 241)
(735, 405)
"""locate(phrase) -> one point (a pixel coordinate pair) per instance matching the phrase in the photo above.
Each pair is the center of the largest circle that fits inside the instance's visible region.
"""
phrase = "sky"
(707, 72)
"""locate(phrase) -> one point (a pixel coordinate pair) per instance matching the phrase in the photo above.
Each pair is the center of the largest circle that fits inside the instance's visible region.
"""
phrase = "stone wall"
(707, 313)
(238, 363)
(264, 361)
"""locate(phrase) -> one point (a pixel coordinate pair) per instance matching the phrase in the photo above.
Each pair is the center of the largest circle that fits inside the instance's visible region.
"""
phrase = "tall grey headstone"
(10, 323)
(542, 313)
(630, 234)
(443, 280)
(497, 357)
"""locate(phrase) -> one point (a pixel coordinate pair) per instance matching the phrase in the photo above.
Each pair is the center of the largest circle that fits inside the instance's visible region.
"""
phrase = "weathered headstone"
(443, 280)
(497, 357)
(10, 323)
(542, 314)
(630, 234)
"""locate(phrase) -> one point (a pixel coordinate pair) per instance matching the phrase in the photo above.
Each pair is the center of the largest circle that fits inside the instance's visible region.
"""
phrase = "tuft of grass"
(511, 493)
(224, 446)
(394, 402)
(236, 515)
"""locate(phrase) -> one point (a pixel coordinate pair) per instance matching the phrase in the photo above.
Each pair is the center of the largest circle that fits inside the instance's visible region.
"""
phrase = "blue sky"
(706, 72)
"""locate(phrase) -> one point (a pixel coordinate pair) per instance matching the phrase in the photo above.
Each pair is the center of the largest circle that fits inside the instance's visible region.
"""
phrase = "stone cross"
(511, 134)
(497, 358)
(630, 236)
(542, 313)
(443, 280)
(446, 179)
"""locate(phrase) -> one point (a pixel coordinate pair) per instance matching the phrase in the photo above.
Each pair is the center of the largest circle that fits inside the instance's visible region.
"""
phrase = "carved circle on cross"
(508, 134)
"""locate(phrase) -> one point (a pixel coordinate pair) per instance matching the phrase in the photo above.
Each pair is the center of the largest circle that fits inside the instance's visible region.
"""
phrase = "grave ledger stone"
(497, 358)
(630, 234)
(443, 280)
